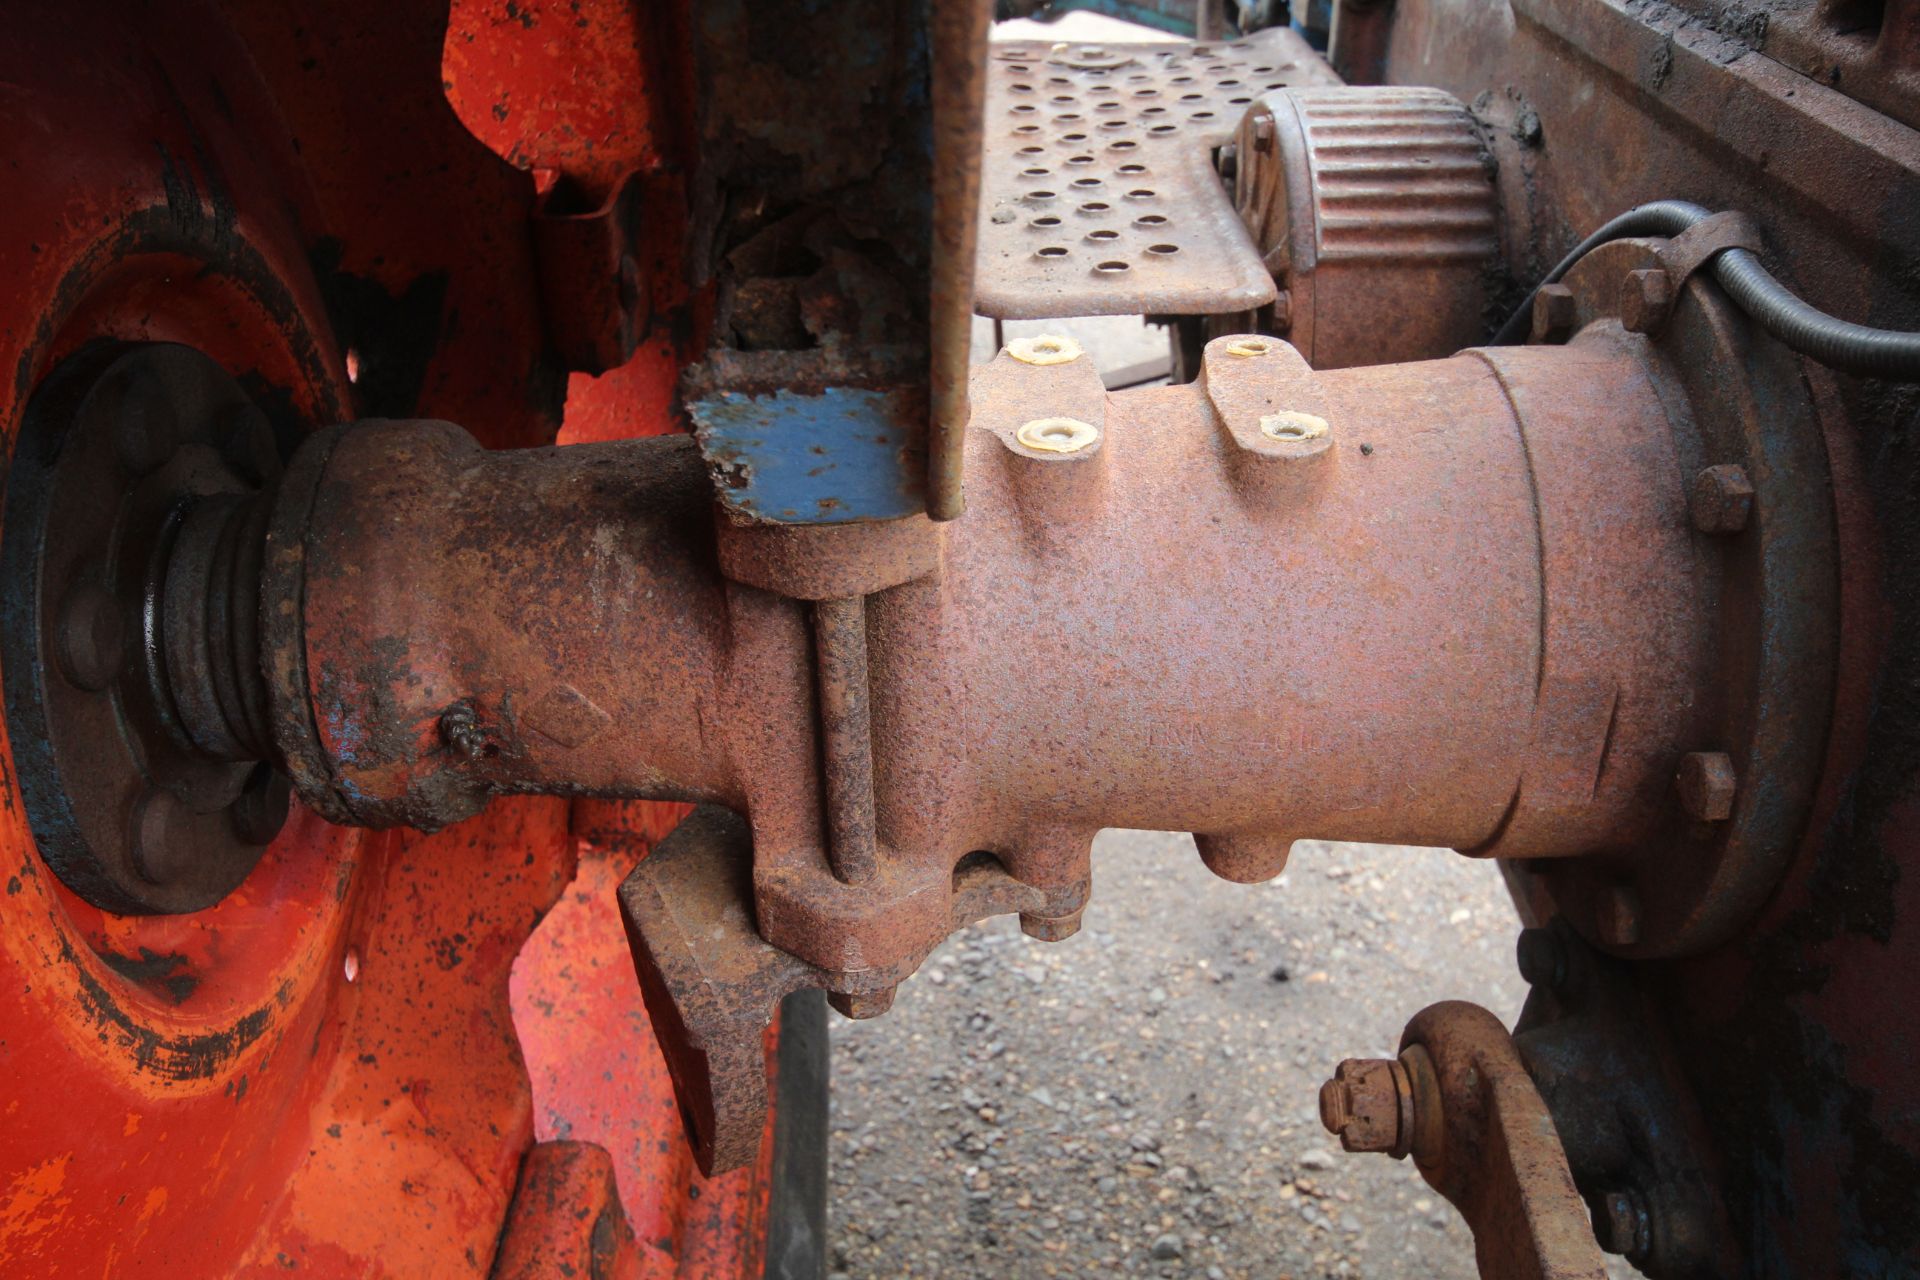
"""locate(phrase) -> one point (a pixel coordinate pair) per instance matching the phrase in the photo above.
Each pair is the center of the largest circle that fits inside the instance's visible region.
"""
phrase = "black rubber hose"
(1836, 343)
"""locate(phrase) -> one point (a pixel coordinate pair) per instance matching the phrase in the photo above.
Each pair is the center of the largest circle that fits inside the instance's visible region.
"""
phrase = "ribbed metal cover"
(1399, 175)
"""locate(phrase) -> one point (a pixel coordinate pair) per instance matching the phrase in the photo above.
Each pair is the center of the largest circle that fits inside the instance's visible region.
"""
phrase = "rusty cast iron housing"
(1460, 602)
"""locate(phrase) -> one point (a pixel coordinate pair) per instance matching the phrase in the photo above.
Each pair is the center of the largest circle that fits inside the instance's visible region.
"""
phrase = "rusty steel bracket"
(1459, 1100)
(1695, 247)
(1592, 1041)
(712, 983)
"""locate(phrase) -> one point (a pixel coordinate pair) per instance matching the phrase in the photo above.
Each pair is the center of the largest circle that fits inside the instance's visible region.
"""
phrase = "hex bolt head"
(162, 836)
(91, 641)
(1721, 499)
(1707, 783)
(1554, 313)
(263, 805)
(862, 1004)
(1263, 133)
(1368, 1103)
(1646, 300)
(1622, 1225)
(1541, 957)
(1617, 917)
(1050, 928)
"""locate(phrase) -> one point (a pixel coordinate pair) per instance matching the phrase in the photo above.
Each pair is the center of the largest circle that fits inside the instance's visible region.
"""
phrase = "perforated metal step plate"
(1099, 194)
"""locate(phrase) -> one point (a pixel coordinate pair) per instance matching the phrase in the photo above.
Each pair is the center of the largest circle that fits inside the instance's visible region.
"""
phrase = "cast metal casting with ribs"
(1274, 604)
(1346, 643)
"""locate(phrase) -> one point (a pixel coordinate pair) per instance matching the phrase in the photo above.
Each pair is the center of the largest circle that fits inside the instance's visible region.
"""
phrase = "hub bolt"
(162, 836)
(92, 639)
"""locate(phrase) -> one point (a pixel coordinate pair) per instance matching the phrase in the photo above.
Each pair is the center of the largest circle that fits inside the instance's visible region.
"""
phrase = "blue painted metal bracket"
(835, 456)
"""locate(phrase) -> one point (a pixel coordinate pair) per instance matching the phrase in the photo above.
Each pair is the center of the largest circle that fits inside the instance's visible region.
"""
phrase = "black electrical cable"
(1836, 343)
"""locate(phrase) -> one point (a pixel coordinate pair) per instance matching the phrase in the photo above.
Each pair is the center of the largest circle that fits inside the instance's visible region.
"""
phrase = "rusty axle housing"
(1448, 603)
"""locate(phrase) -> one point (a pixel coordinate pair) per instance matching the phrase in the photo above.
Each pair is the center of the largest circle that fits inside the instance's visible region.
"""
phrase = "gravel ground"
(1140, 1099)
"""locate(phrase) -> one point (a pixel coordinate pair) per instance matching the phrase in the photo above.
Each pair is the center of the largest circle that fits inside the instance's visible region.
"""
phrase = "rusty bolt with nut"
(1646, 300)
(1554, 313)
(1369, 1104)
(1706, 782)
(1721, 499)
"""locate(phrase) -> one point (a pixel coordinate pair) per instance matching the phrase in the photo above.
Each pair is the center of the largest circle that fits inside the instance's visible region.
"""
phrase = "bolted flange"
(135, 522)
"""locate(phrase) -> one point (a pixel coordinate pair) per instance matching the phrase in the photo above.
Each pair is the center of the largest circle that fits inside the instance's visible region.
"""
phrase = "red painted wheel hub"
(330, 1070)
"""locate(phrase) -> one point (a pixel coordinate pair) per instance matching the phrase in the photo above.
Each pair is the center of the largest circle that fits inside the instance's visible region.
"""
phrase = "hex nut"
(1707, 783)
(1646, 300)
(1721, 499)
(1555, 312)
